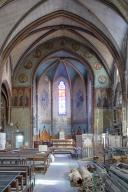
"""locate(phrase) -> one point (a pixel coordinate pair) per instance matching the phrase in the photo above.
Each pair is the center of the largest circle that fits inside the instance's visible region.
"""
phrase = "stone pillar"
(51, 89)
(0, 110)
(125, 113)
(1, 69)
(125, 103)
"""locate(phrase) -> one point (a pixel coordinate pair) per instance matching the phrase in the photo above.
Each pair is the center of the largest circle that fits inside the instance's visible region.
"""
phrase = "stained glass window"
(62, 98)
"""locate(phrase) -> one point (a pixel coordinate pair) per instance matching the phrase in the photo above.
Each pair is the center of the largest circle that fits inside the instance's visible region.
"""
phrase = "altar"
(61, 134)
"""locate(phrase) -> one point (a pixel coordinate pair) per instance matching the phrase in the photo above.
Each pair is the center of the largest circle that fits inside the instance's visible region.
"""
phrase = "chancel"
(64, 95)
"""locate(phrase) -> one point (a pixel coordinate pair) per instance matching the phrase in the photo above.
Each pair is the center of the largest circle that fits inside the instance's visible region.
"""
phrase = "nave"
(63, 89)
(56, 178)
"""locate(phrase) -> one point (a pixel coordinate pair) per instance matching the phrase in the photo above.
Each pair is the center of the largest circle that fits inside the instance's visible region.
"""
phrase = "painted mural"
(101, 77)
(37, 53)
(44, 103)
(97, 66)
(103, 98)
(28, 65)
(79, 99)
(45, 99)
(75, 46)
(23, 78)
(79, 102)
(21, 97)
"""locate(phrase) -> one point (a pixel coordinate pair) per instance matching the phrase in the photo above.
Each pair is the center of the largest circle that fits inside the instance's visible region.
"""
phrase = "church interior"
(64, 95)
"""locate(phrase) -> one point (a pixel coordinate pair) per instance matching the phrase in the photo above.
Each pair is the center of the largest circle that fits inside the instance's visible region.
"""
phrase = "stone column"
(1, 69)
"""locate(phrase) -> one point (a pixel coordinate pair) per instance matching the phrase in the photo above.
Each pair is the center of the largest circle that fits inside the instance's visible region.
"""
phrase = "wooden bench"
(9, 181)
(26, 180)
(40, 161)
(71, 151)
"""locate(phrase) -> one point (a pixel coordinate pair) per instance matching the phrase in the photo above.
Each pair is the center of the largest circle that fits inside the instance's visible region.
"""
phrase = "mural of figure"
(45, 99)
(26, 97)
(20, 97)
(37, 53)
(104, 99)
(15, 97)
(105, 102)
(98, 99)
(99, 102)
(79, 98)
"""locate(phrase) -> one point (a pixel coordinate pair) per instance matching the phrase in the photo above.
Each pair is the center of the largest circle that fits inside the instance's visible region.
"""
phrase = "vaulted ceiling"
(62, 64)
(101, 26)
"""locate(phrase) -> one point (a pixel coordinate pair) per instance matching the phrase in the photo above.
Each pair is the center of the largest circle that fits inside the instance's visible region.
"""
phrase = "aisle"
(56, 178)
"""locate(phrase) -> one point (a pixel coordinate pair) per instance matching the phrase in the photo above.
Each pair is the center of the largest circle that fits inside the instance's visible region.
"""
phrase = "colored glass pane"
(62, 98)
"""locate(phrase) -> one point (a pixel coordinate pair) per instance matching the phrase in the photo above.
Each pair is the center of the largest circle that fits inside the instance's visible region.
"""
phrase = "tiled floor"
(56, 178)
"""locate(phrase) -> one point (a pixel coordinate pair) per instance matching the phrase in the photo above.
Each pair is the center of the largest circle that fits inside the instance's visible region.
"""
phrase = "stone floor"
(56, 178)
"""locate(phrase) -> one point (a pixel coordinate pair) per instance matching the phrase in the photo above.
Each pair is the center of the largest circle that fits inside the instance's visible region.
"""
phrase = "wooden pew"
(9, 181)
(40, 160)
(25, 179)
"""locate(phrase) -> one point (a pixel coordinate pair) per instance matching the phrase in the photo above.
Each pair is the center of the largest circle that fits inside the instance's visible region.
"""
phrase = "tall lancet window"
(62, 98)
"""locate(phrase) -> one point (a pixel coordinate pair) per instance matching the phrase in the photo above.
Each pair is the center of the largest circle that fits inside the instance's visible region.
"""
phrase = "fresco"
(45, 99)
(49, 45)
(37, 53)
(79, 99)
(21, 97)
(97, 66)
(103, 98)
(75, 46)
(23, 78)
(28, 65)
(101, 77)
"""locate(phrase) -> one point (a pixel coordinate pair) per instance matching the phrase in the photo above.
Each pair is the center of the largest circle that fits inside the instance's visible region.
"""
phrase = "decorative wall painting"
(37, 53)
(21, 97)
(75, 46)
(97, 66)
(103, 98)
(79, 98)
(49, 45)
(23, 78)
(28, 65)
(88, 54)
(102, 79)
(62, 42)
(45, 99)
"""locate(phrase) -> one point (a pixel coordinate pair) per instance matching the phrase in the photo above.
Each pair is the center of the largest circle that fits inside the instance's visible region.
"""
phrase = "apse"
(61, 95)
